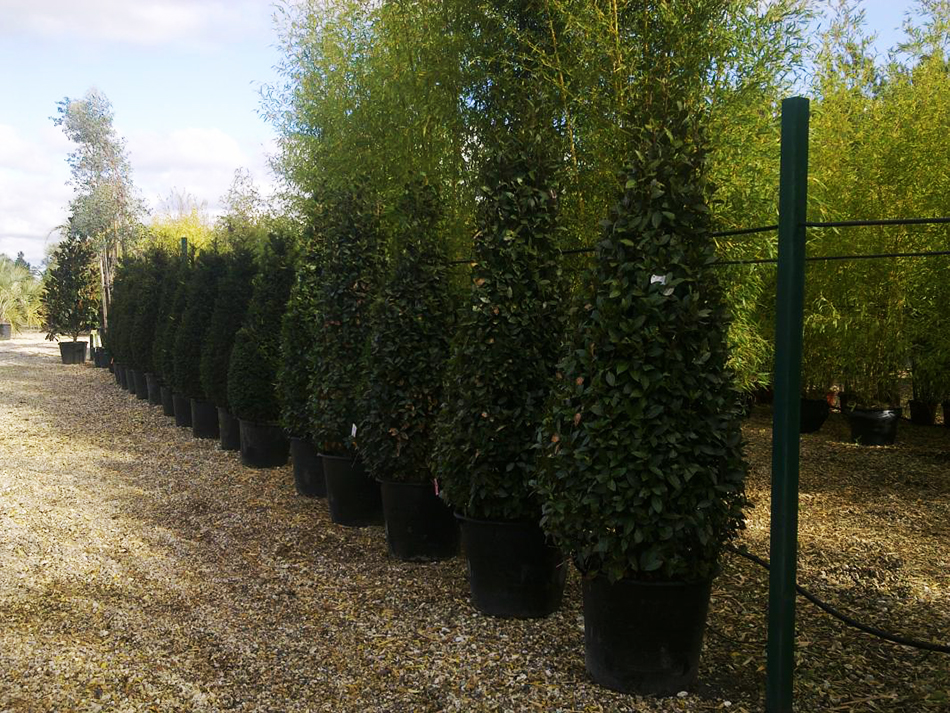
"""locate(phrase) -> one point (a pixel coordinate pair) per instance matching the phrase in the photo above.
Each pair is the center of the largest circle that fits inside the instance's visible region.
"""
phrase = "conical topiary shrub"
(155, 266)
(255, 357)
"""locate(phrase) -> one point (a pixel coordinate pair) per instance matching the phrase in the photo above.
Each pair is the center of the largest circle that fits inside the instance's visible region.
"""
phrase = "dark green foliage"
(255, 356)
(643, 470)
(296, 340)
(174, 300)
(349, 267)
(507, 342)
(190, 336)
(122, 311)
(71, 288)
(156, 264)
(411, 326)
(230, 307)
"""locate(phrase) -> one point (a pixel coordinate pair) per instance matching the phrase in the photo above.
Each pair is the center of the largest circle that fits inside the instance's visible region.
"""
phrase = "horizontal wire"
(871, 223)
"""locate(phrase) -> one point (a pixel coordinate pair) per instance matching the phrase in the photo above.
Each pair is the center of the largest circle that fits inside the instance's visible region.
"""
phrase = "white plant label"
(658, 278)
(353, 431)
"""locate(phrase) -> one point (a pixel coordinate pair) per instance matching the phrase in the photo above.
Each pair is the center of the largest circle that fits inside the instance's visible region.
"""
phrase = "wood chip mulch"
(144, 570)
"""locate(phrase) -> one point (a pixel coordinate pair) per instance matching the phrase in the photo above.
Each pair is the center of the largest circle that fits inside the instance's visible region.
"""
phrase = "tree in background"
(20, 291)
(70, 292)
(106, 207)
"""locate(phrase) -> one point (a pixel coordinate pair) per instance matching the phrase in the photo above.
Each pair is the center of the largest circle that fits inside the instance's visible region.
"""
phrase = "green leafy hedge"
(255, 356)
(174, 301)
(230, 307)
(643, 470)
(155, 266)
(411, 325)
(195, 319)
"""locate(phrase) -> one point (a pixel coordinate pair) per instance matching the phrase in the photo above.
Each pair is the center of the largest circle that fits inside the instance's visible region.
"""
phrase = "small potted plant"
(71, 295)
(504, 351)
(230, 307)
(642, 476)
(349, 260)
(411, 324)
(255, 357)
(190, 338)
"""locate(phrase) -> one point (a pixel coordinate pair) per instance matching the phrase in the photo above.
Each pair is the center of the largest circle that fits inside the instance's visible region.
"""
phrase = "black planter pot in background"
(263, 445)
(6, 330)
(353, 496)
(72, 352)
(130, 379)
(644, 637)
(119, 373)
(229, 431)
(813, 414)
(420, 527)
(308, 468)
(168, 401)
(923, 413)
(154, 385)
(141, 385)
(182, 410)
(204, 419)
(874, 427)
(99, 359)
(513, 571)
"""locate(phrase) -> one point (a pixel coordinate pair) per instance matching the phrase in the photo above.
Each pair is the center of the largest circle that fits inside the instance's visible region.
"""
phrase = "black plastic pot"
(204, 419)
(98, 358)
(72, 352)
(308, 468)
(141, 385)
(353, 496)
(154, 388)
(130, 377)
(513, 571)
(923, 413)
(229, 430)
(6, 330)
(420, 527)
(644, 637)
(182, 410)
(119, 373)
(874, 427)
(263, 445)
(168, 401)
(813, 414)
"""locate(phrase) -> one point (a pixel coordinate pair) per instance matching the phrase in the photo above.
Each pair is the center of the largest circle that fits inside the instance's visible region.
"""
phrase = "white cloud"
(137, 22)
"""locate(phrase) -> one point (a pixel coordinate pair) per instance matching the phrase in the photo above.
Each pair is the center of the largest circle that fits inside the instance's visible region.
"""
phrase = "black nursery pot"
(168, 401)
(308, 468)
(813, 414)
(6, 330)
(513, 571)
(119, 373)
(72, 352)
(204, 419)
(130, 379)
(263, 445)
(229, 431)
(874, 427)
(420, 527)
(182, 410)
(353, 496)
(644, 637)
(154, 389)
(923, 413)
(141, 385)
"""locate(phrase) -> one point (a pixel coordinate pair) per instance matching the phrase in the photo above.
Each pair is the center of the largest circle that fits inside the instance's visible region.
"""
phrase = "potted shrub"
(349, 258)
(156, 265)
(189, 342)
(255, 357)
(166, 330)
(819, 366)
(503, 355)
(230, 307)
(121, 320)
(411, 324)
(642, 476)
(293, 376)
(71, 295)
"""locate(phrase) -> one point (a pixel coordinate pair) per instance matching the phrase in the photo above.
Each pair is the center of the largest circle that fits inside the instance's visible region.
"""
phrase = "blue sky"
(183, 78)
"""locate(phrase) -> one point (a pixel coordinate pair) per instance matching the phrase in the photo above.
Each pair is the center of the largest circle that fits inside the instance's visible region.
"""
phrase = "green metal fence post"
(792, 205)
(184, 249)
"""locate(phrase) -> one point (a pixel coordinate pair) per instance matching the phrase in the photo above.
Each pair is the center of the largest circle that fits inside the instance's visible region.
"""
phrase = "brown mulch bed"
(144, 570)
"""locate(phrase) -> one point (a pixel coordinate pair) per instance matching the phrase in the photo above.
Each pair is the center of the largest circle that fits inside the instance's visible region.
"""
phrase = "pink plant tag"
(435, 484)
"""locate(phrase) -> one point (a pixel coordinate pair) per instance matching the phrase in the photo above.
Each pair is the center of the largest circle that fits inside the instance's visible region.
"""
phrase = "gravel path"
(144, 570)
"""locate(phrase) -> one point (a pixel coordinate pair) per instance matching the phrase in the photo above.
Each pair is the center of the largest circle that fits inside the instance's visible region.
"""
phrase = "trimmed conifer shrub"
(230, 307)
(125, 294)
(155, 265)
(174, 301)
(507, 342)
(255, 356)
(643, 470)
(195, 319)
(411, 327)
(350, 264)
(297, 332)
